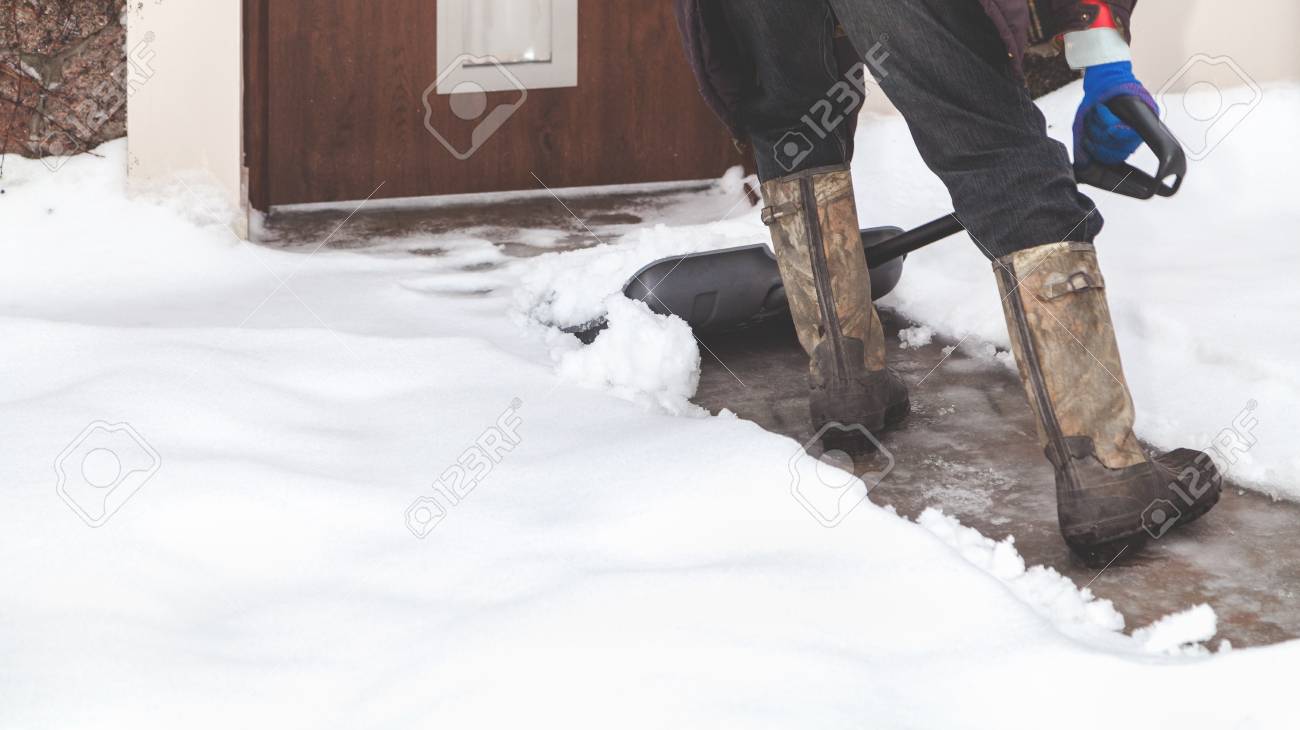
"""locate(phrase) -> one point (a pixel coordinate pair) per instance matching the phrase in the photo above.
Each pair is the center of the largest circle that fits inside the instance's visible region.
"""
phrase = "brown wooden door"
(334, 106)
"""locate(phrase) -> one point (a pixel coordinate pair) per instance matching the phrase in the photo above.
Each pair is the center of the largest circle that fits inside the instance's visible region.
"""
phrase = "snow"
(597, 559)
(918, 336)
(573, 287)
(641, 356)
(1072, 610)
(1056, 598)
(1182, 631)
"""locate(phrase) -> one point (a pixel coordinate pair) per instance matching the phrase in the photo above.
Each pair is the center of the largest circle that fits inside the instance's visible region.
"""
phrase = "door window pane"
(511, 31)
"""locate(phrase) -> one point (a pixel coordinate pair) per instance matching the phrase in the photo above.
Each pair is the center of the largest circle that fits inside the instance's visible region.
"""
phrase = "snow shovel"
(738, 287)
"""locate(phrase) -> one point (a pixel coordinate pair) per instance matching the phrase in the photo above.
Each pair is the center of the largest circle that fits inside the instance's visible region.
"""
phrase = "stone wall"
(64, 75)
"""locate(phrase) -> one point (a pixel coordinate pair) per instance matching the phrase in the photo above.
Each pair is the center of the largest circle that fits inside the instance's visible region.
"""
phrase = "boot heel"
(852, 441)
(1099, 556)
(897, 413)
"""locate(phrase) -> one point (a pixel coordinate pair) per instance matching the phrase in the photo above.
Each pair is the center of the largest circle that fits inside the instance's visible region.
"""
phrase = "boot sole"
(1098, 552)
(1203, 505)
(895, 415)
(1101, 540)
(853, 441)
(1102, 554)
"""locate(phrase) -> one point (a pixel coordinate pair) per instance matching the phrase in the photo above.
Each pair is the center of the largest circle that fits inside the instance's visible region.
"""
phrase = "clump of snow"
(986, 351)
(1180, 633)
(641, 356)
(571, 288)
(913, 337)
(733, 180)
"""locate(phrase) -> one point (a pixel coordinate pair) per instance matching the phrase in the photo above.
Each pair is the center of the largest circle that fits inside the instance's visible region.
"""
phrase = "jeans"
(942, 63)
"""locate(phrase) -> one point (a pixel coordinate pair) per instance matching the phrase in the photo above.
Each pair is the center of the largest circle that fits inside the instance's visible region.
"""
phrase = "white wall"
(186, 121)
(1259, 36)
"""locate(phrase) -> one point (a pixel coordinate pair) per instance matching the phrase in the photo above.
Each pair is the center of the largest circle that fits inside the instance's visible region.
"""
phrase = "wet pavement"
(581, 218)
(968, 447)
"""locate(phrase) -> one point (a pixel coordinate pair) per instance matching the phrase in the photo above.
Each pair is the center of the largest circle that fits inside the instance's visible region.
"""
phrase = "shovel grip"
(1126, 179)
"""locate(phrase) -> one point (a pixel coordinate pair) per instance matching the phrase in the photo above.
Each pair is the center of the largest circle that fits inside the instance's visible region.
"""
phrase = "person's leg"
(1014, 190)
(974, 124)
(812, 216)
(790, 44)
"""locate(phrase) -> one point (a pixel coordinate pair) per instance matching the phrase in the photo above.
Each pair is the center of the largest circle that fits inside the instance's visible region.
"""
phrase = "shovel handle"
(1123, 178)
(1126, 179)
(909, 241)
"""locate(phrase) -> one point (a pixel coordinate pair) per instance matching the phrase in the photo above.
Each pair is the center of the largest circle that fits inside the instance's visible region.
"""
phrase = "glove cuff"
(1095, 46)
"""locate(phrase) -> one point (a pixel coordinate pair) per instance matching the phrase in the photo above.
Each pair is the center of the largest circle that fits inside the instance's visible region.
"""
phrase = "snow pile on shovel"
(643, 357)
(573, 287)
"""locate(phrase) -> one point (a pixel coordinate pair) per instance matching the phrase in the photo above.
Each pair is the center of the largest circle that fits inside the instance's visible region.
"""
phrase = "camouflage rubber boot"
(1109, 494)
(814, 226)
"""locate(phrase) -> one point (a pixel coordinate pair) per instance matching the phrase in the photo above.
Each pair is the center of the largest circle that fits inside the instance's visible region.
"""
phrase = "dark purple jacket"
(724, 73)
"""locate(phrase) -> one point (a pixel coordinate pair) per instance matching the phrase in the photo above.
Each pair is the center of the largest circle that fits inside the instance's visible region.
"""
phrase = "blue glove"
(1099, 135)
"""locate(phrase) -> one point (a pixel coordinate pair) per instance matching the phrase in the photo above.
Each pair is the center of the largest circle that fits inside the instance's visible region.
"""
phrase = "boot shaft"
(1054, 299)
(813, 221)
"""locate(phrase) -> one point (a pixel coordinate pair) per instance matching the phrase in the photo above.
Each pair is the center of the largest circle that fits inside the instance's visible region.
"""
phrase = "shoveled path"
(969, 448)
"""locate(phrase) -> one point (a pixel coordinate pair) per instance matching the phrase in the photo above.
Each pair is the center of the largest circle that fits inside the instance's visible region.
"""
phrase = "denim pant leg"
(975, 125)
(791, 44)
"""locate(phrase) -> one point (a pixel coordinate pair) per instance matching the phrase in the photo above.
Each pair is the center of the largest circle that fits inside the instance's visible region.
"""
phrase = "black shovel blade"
(735, 287)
